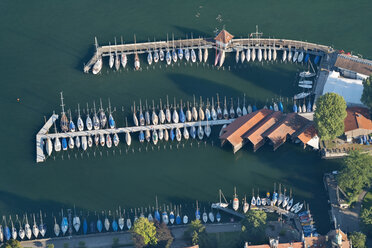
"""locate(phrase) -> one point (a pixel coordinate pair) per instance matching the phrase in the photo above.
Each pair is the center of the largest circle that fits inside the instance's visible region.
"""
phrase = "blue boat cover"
(172, 134)
(295, 108)
(7, 233)
(197, 214)
(178, 220)
(114, 226)
(85, 226)
(157, 215)
(99, 225)
(271, 107)
(308, 107)
(307, 58)
(64, 143)
(281, 106)
(316, 60)
(254, 108)
(182, 116)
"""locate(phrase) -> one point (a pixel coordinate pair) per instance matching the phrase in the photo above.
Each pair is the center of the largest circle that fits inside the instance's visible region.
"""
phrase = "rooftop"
(362, 66)
(224, 36)
(357, 118)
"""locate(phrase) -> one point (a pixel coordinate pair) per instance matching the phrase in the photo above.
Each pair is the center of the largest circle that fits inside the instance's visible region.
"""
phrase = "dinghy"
(307, 74)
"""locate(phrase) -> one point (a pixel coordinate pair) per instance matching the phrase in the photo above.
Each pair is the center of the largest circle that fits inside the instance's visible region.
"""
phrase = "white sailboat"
(71, 143)
(121, 220)
(242, 56)
(49, 146)
(237, 56)
(248, 55)
(185, 133)
(128, 138)
(259, 55)
(147, 114)
(200, 132)
(225, 113)
(88, 121)
(77, 142)
(161, 134)
(96, 124)
(21, 231)
(219, 111)
(137, 64)
(135, 120)
(295, 56)
(207, 111)
(90, 141)
(156, 54)
(238, 110)
(178, 134)
(155, 137)
(154, 116)
(80, 123)
(117, 59)
(207, 129)
(245, 205)
(102, 140)
(265, 53)
(213, 111)
(111, 57)
(244, 111)
(166, 135)
(307, 74)
(269, 54)
(253, 54)
(300, 57)
(194, 112)
(28, 229)
(289, 56)
(222, 58)
(201, 112)
(14, 230)
(205, 55)
(200, 54)
(284, 58)
(149, 57)
(161, 54)
(84, 143)
(102, 116)
(124, 59)
(193, 56)
(141, 116)
(35, 229)
(175, 114)
(167, 112)
(161, 113)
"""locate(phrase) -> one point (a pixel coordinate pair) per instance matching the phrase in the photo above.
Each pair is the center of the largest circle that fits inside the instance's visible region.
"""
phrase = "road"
(105, 240)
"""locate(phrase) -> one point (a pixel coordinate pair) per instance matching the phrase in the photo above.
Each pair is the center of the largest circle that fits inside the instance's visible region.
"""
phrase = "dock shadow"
(195, 32)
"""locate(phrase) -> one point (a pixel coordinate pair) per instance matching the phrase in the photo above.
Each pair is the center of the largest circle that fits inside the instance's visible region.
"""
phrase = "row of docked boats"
(169, 55)
(144, 116)
(304, 107)
(307, 223)
(269, 54)
(116, 221)
(279, 199)
(154, 55)
(26, 229)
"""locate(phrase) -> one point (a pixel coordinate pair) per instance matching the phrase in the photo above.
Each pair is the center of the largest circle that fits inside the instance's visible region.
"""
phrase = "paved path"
(105, 240)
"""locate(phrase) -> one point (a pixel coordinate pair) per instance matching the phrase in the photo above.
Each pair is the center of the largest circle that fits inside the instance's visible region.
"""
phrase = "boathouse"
(353, 67)
(357, 123)
(267, 125)
(223, 39)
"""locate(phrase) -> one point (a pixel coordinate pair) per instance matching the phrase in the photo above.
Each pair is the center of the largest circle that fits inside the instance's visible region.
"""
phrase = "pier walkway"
(235, 45)
(43, 134)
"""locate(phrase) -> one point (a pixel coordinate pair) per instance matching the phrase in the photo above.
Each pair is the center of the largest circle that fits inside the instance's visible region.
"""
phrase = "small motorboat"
(171, 217)
(295, 56)
(300, 57)
(185, 219)
(211, 216)
(307, 74)
(205, 217)
(218, 217)
(301, 95)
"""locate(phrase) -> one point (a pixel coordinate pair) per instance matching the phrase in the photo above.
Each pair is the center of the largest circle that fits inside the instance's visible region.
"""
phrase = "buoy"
(18, 100)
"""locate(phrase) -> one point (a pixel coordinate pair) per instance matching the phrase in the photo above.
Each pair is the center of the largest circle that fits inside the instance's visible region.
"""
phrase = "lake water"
(43, 48)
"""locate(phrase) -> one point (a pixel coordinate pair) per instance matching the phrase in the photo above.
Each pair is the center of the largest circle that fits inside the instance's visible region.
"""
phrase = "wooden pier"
(234, 45)
(43, 134)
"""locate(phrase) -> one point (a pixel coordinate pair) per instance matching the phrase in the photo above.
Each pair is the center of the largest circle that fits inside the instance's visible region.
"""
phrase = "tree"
(144, 230)
(356, 173)
(12, 244)
(163, 234)
(366, 217)
(50, 245)
(358, 239)
(196, 233)
(253, 226)
(329, 116)
(367, 92)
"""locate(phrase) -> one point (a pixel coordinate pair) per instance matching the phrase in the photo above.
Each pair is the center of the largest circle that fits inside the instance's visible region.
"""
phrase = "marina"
(73, 222)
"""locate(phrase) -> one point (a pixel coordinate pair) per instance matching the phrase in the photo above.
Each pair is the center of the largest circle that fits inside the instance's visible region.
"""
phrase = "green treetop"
(329, 116)
(146, 230)
(367, 92)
